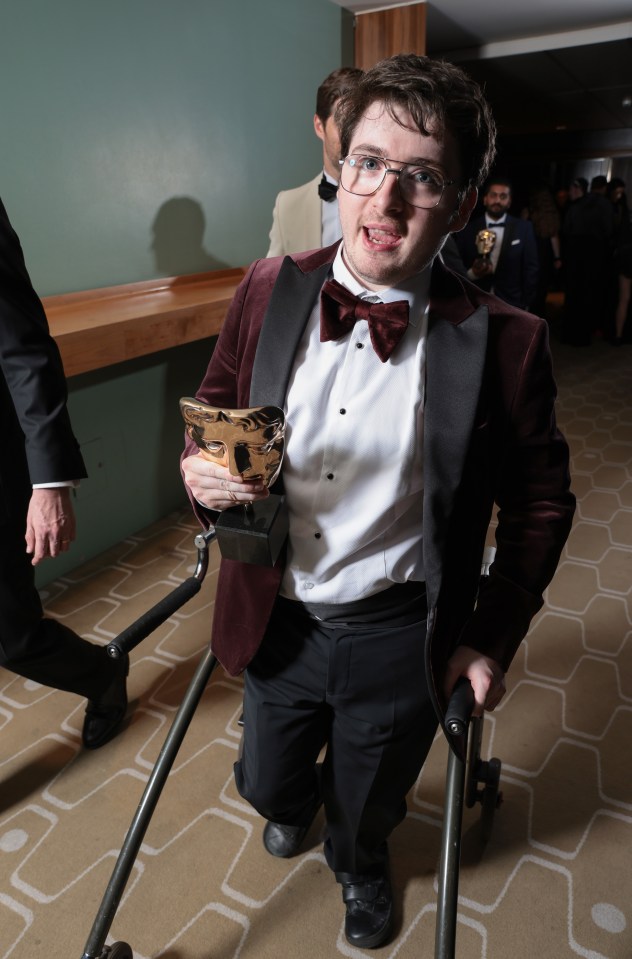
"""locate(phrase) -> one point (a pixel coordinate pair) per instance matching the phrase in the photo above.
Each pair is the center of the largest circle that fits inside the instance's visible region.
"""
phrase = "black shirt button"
(330, 476)
(317, 535)
(342, 412)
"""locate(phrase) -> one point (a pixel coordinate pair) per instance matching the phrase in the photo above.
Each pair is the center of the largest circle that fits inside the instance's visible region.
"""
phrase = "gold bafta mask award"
(485, 241)
(250, 442)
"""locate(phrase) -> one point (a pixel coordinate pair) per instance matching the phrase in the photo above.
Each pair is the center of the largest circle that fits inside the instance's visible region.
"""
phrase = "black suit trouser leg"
(37, 648)
(362, 692)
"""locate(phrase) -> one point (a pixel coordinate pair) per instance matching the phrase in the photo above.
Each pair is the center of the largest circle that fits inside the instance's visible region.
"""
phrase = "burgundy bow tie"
(339, 310)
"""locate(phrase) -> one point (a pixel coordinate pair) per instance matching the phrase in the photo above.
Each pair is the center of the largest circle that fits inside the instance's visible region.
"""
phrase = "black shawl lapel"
(288, 311)
(454, 372)
(509, 234)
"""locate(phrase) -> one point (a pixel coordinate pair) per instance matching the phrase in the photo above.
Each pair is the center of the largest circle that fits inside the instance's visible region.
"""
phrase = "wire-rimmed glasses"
(419, 185)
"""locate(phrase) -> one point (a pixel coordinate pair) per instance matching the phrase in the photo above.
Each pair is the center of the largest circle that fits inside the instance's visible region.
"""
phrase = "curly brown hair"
(429, 91)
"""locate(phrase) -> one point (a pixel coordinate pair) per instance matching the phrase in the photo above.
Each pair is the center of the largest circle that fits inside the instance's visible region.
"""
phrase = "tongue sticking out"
(384, 239)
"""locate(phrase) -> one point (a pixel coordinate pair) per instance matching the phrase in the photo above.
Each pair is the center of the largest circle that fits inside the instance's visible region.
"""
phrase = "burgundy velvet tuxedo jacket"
(489, 437)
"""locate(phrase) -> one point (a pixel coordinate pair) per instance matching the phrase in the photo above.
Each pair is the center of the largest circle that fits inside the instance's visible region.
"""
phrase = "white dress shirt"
(498, 226)
(353, 468)
(330, 217)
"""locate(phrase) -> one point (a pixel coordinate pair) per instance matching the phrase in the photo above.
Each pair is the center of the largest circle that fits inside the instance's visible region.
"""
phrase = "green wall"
(146, 138)
(127, 420)
(112, 110)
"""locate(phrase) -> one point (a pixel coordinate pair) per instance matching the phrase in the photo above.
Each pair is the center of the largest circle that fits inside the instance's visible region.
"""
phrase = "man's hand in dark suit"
(482, 267)
(50, 523)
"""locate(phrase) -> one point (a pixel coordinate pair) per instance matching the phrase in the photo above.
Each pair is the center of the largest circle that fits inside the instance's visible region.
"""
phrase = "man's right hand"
(214, 487)
(481, 267)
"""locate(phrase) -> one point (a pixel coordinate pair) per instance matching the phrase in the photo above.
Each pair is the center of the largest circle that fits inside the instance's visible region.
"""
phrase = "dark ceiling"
(579, 88)
(569, 93)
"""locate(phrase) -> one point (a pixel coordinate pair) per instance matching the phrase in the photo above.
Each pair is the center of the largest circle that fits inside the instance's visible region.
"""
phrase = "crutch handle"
(460, 707)
(154, 617)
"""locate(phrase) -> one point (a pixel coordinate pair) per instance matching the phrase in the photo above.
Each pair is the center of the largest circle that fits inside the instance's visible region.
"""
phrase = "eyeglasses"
(419, 186)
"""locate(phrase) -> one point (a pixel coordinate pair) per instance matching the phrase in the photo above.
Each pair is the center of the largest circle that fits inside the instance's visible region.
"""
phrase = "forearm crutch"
(95, 946)
(456, 721)
(467, 760)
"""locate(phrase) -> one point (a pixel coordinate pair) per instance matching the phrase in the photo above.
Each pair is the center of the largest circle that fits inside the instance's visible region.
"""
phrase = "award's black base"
(253, 535)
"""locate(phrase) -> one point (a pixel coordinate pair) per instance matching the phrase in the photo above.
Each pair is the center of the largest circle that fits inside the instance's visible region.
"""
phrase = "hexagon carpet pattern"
(553, 880)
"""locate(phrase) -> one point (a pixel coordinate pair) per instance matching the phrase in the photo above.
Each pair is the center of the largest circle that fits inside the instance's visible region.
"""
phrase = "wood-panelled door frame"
(382, 33)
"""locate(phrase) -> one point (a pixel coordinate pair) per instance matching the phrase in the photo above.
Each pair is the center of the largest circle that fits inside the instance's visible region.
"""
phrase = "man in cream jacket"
(306, 217)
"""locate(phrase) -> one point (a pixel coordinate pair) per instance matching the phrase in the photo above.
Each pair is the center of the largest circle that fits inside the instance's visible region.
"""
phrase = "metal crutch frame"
(463, 785)
(456, 723)
(95, 947)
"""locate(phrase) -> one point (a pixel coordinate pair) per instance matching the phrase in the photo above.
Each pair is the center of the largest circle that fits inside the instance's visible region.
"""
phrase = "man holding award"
(306, 216)
(500, 250)
(413, 401)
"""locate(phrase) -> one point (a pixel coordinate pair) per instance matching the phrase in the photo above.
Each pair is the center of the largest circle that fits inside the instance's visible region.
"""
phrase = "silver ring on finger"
(232, 495)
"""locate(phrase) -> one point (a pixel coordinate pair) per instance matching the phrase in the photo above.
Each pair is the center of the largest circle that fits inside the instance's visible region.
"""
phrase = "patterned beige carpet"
(553, 881)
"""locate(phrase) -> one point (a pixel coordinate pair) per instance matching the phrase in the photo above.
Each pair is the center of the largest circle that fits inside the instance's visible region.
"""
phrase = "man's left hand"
(486, 676)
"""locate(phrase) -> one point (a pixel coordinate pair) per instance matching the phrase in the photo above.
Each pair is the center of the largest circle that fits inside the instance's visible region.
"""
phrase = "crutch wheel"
(119, 950)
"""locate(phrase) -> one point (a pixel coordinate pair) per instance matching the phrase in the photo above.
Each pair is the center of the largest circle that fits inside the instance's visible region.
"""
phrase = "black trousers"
(360, 691)
(37, 648)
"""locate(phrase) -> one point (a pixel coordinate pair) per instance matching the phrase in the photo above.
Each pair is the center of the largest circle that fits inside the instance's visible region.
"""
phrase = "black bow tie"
(327, 191)
(494, 223)
(339, 310)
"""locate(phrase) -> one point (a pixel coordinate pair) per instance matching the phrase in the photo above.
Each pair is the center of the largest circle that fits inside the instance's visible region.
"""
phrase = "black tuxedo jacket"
(515, 279)
(38, 445)
(489, 437)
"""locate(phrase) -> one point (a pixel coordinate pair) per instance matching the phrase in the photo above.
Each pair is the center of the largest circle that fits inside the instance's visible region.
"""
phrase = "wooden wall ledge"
(97, 328)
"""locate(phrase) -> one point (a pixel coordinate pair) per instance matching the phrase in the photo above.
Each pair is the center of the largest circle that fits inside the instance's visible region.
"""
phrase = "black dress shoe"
(369, 918)
(105, 715)
(285, 841)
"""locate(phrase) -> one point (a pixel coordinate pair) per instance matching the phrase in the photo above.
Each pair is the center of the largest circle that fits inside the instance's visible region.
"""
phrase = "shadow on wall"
(178, 234)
